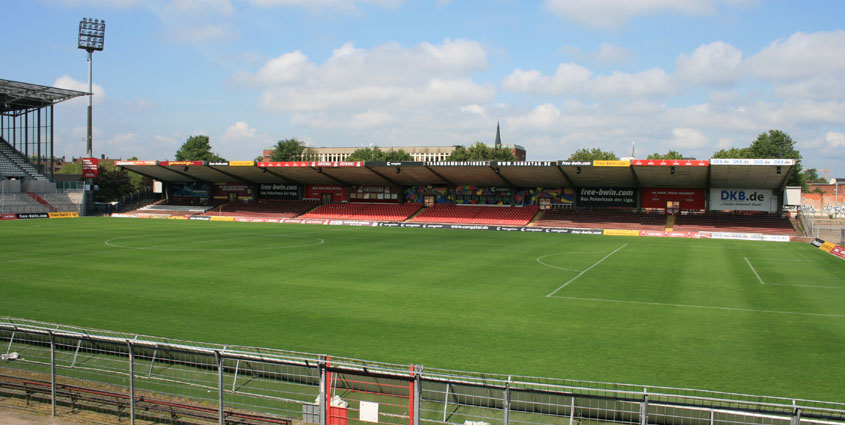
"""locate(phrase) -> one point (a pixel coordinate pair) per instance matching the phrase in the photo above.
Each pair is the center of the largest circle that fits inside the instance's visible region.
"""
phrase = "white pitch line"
(539, 260)
(755, 271)
(750, 310)
(806, 286)
(586, 270)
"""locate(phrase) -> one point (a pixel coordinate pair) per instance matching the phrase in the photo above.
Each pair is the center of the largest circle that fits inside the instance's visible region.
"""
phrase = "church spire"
(498, 136)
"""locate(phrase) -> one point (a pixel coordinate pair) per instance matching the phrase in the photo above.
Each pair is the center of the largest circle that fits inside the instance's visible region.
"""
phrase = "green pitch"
(751, 317)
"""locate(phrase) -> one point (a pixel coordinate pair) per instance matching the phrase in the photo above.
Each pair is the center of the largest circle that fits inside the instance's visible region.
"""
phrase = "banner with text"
(603, 197)
(231, 191)
(743, 200)
(89, 168)
(690, 199)
(278, 191)
(316, 192)
(373, 194)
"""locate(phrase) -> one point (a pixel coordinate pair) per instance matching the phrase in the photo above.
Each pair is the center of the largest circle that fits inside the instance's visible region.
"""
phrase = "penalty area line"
(707, 307)
(755, 271)
(586, 270)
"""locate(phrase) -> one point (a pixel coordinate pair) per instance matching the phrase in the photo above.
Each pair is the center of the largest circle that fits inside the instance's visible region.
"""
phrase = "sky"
(647, 76)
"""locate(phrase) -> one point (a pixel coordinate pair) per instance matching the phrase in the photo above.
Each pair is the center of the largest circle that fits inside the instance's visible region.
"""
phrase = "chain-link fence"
(131, 377)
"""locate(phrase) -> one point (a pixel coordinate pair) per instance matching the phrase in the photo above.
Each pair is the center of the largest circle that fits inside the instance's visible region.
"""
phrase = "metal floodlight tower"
(92, 35)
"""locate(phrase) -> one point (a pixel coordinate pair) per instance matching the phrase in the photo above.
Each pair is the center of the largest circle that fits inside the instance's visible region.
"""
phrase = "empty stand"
(477, 214)
(13, 164)
(715, 221)
(602, 219)
(364, 211)
(264, 208)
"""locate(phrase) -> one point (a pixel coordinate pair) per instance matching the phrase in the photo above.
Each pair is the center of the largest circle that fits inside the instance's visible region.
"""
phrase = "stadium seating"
(752, 222)
(602, 219)
(364, 211)
(263, 208)
(477, 214)
(20, 203)
(14, 164)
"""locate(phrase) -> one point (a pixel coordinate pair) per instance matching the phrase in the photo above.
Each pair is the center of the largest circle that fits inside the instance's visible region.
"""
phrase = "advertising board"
(603, 197)
(690, 199)
(89, 168)
(743, 200)
(231, 191)
(316, 192)
(278, 191)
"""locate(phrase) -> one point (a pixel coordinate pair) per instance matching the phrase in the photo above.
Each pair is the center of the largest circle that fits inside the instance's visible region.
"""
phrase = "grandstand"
(13, 164)
(600, 219)
(263, 208)
(474, 214)
(364, 211)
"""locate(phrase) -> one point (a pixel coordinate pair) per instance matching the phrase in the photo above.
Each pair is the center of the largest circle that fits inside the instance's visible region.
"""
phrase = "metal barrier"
(162, 379)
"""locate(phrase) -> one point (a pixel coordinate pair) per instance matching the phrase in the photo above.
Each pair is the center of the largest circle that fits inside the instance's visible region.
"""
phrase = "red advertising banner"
(89, 168)
(838, 251)
(690, 199)
(166, 163)
(8, 216)
(672, 162)
(320, 192)
(311, 164)
(121, 163)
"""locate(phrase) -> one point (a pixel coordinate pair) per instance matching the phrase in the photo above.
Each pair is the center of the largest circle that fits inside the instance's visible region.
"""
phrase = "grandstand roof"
(17, 96)
(720, 173)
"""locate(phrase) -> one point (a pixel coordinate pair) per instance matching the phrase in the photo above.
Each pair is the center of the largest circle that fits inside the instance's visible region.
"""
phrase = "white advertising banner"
(743, 200)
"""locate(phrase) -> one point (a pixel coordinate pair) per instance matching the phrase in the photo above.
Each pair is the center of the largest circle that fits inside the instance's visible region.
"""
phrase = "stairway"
(670, 223)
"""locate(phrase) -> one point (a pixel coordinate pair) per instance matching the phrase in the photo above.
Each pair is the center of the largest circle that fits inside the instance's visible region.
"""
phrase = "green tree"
(291, 150)
(70, 167)
(772, 145)
(593, 154)
(375, 154)
(138, 181)
(481, 152)
(197, 148)
(732, 153)
(667, 155)
(113, 184)
(811, 175)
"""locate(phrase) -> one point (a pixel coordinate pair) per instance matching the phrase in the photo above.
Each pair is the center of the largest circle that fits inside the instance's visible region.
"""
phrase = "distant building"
(418, 153)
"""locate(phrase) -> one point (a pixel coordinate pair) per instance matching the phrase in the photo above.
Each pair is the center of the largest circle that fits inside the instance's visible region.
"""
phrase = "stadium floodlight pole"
(92, 35)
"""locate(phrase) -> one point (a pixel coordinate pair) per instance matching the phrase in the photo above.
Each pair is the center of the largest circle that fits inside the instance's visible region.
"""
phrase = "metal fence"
(831, 230)
(129, 377)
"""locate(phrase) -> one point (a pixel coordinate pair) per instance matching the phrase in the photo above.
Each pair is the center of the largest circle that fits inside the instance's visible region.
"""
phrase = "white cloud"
(366, 87)
(688, 138)
(715, 63)
(543, 116)
(651, 82)
(473, 109)
(835, 140)
(122, 140)
(572, 79)
(612, 53)
(68, 82)
(569, 78)
(238, 130)
(615, 13)
(801, 55)
(100, 3)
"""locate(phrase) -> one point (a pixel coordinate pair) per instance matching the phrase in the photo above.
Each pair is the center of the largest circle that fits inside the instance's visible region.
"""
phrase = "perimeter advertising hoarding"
(122, 163)
(278, 191)
(609, 163)
(300, 164)
(691, 199)
(743, 200)
(24, 216)
(603, 197)
(170, 163)
(89, 168)
(8, 216)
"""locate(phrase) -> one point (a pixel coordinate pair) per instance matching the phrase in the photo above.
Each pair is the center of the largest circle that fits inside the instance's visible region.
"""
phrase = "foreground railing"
(156, 378)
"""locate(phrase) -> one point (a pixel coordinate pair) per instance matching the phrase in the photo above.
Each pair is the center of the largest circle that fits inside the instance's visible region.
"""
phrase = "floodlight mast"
(92, 34)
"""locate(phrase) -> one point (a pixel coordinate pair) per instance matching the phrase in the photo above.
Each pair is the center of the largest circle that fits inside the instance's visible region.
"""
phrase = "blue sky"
(688, 75)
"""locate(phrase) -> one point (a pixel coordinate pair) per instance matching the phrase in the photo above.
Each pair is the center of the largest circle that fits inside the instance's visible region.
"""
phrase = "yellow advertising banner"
(63, 214)
(608, 163)
(241, 163)
(222, 219)
(177, 217)
(827, 246)
(621, 232)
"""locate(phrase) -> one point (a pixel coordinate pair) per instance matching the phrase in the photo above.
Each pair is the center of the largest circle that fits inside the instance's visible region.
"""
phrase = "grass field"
(752, 317)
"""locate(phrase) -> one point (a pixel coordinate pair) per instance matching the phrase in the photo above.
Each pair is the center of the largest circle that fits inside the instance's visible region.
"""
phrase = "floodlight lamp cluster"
(92, 34)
